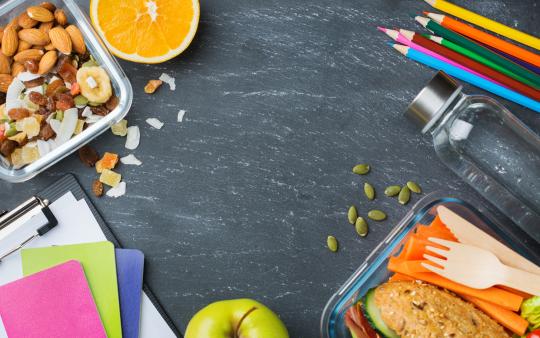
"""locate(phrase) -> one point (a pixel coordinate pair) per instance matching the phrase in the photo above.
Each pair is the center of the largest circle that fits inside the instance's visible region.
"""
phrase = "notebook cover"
(56, 301)
(98, 261)
(129, 269)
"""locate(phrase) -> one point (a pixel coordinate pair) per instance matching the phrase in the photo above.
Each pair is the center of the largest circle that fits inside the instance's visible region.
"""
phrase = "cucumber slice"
(373, 315)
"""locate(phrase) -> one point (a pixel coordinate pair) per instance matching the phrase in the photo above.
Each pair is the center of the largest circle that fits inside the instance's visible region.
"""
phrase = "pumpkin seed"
(404, 195)
(352, 214)
(392, 190)
(361, 226)
(369, 191)
(414, 187)
(376, 215)
(361, 169)
(332, 243)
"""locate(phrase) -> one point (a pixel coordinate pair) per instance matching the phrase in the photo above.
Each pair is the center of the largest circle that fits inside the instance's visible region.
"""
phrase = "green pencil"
(479, 58)
(466, 43)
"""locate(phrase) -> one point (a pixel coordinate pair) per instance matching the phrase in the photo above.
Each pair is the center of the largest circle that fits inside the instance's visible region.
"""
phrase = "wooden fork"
(478, 268)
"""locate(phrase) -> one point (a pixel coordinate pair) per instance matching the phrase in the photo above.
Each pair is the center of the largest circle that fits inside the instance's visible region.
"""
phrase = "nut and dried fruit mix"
(51, 88)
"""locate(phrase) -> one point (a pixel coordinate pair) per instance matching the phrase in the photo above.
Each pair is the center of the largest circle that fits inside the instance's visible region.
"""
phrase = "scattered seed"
(352, 214)
(414, 187)
(361, 169)
(369, 191)
(392, 190)
(377, 215)
(361, 226)
(332, 243)
(404, 195)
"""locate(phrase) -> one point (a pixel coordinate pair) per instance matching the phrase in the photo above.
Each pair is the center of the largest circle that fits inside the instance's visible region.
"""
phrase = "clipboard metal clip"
(10, 221)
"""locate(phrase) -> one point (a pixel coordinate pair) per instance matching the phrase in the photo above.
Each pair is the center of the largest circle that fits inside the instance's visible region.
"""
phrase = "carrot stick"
(525, 295)
(494, 295)
(510, 320)
(398, 277)
(415, 248)
(407, 267)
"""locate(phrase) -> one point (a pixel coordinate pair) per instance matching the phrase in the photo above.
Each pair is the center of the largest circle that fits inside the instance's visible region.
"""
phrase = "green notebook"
(98, 261)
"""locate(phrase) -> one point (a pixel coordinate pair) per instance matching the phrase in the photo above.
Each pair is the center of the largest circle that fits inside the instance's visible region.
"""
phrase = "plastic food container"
(119, 81)
(373, 272)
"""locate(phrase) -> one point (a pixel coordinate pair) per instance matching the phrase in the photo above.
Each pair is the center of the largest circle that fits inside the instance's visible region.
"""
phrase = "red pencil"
(469, 63)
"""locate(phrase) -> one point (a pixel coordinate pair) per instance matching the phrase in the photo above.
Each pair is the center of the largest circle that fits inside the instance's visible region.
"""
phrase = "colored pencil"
(397, 36)
(469, 63)
(491, 25)
(488, 54)
(478, 58)
(468, 77)
(520, 62)
(485, 38)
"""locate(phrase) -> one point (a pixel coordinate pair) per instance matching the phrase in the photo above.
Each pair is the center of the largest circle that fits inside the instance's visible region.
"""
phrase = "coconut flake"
(44, 147)
(55, 125)
(67, 128)
(13, 94)
(87, 112)
(27, 76)
(133, 137)
(130, 160)
(119, 190)
(154, 123)
(181, 114)
(37, 89)
(91, 82)
(168, 80)
(93, 119)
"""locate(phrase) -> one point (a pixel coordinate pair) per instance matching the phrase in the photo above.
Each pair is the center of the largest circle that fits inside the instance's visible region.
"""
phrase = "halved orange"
(146, 31)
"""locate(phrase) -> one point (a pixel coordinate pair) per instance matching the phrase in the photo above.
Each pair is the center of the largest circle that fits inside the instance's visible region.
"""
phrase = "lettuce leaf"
(530, 310)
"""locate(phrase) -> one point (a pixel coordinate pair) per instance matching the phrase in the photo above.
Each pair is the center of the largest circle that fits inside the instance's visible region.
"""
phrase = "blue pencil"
(468, 77)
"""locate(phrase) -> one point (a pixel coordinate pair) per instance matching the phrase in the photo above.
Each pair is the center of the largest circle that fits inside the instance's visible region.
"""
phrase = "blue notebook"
(129, 270)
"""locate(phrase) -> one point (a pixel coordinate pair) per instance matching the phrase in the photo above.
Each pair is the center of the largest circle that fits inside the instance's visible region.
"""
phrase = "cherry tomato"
(534, 334)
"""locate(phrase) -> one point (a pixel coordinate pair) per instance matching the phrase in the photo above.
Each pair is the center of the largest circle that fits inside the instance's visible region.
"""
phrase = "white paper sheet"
(76, 224)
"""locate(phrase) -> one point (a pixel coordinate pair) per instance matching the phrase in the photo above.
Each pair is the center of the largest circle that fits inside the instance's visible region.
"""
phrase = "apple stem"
(241, 320)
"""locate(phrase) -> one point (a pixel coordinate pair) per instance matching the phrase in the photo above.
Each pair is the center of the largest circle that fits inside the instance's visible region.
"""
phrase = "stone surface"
(282, 99)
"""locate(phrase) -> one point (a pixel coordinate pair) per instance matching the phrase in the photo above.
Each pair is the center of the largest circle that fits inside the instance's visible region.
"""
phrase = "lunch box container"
(120, 83)
(373, 271)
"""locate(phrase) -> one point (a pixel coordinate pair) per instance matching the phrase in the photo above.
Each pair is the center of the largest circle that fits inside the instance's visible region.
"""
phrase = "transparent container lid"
(373, 271)
(120, 83)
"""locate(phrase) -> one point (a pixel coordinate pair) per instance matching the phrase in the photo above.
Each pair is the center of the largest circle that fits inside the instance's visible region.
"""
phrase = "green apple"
(237, 318)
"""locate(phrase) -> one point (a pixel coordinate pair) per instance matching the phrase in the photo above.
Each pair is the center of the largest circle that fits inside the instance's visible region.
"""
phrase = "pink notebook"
(56, 302)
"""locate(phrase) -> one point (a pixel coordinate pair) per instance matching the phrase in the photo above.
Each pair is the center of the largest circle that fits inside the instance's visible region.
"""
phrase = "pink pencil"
(397, 36)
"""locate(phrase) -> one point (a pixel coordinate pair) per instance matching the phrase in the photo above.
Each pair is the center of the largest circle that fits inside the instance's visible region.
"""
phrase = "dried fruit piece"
(404, 195)
(29, 125)
(152, 86)
(88, 155)
(39, 13)
(64, 101)
(361, 226)
(352, 214)
(18, 113)
(80, 101)
(110, 178)
(29, 154)
(60, 17)
(120, 128)
(97, 188)
(37, 98)
(34, 36)
(79, 127)
(46, 132)
(112, 103)
(332, 243)
(392, 190)
(10, 41)
(99, 110)
(67, 72)
(61, 40)
(361, 169)
(16, 158)
(7, 147)
(369, 191)
(414, 187)
(57, 86)
(377, 215)
(77, 39)
(20, 138)
(32, 66)
(95, 84)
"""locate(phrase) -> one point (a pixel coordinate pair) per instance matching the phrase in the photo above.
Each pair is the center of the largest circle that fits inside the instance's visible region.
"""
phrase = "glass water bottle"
(486, 145)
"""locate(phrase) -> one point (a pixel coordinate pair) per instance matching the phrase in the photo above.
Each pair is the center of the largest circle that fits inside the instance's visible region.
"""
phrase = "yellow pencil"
(486, 23)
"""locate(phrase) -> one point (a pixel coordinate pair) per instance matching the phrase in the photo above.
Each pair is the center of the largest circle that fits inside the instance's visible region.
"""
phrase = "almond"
(60, 17)
(1, 33)
(5, 67)
(5, 81)
(34, 36)
(40, 14)
(48, 5)
(47, 62)
(45, 27)
(14, 23)
(49, 47)
(16, 68)
(77, 39)
(25, 21)
(61, 40)
(29, 54)
(10, 41)
(23, 45)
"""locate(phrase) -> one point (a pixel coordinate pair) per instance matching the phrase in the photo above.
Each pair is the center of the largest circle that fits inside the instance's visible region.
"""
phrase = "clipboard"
(66, 184)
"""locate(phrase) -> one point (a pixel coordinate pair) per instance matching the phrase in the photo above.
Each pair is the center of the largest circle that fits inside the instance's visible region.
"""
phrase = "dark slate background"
(283, 97)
